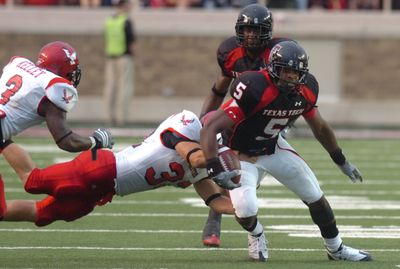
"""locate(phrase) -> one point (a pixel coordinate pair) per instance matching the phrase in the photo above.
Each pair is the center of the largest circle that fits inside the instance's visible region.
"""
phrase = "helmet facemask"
(254, 27)
(253, 36)
(75, 76)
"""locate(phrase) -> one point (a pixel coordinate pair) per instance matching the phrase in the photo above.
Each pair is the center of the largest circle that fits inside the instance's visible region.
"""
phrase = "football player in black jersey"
(248, 50)
(263, 103)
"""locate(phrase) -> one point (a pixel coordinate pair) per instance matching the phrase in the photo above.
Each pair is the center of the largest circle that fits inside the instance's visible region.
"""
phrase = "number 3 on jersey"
(12, 86)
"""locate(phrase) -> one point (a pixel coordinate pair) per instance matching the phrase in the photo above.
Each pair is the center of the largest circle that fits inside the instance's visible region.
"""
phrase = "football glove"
(103, 139)
(351, 171)
(221, 177)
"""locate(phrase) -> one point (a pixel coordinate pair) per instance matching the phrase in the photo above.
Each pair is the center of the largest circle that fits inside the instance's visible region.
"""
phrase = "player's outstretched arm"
(325, 135)
(65, 138)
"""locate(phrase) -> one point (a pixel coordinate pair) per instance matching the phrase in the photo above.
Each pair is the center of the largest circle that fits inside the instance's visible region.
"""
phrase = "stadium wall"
(355, 55)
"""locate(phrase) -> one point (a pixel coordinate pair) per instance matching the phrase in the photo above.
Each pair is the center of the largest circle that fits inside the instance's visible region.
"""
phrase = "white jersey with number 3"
(23, 86)
(152, 164)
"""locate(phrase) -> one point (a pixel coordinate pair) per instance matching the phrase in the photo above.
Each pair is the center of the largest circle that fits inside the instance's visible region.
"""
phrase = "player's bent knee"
(51, 209)
(246, 210)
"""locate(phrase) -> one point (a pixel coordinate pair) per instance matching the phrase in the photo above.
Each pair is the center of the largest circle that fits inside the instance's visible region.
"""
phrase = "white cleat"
(258, 247)
(345, 253)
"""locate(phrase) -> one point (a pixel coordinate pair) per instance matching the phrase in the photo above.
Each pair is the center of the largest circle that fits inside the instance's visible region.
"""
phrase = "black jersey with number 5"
(260, 111)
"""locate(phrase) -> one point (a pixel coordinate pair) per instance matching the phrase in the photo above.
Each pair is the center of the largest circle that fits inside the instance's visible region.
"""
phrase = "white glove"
(103, 139)
(224, 179)
(351, 171)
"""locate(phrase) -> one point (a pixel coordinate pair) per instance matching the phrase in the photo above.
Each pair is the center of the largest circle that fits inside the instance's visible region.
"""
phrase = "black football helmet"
(287, 55)
(259, 18)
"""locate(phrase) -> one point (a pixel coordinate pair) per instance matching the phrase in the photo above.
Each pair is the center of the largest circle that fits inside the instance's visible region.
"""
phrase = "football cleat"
(212, 230)
(212, 241)
(258, 247)
(345, 253)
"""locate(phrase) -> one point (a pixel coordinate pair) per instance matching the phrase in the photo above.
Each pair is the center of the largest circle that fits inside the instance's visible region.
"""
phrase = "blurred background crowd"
(219, 4)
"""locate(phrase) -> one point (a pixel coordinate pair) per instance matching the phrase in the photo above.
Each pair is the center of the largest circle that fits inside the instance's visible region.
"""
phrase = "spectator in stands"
(328, 4)
(90, 3)
(119, 67)
(365, 4)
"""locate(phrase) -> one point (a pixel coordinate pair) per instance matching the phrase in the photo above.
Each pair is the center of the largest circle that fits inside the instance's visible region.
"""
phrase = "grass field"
(162, 228)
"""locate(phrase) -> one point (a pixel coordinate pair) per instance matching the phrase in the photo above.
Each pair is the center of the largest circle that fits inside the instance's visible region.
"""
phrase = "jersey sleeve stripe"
(175, 132)
(57, 80)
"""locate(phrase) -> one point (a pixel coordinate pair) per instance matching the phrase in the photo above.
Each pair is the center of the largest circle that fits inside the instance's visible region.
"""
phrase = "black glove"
(103, 139)
(221, 177)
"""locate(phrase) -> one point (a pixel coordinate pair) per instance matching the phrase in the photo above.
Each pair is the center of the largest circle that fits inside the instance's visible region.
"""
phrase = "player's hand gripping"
(103, 139)
(351, 171)
(221, 177)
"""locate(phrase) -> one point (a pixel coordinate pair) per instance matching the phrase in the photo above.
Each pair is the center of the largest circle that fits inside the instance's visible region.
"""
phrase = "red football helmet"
(61, 59)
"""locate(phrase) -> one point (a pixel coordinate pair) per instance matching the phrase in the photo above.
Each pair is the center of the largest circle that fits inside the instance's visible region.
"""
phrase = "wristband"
(93, 141)
(217, 93)
(337, 156)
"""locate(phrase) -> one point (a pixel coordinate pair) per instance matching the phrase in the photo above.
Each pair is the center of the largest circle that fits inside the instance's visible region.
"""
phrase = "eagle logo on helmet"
(71, 57)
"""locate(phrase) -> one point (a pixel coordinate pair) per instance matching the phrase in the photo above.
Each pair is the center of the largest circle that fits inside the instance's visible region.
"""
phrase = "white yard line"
(171, 249)
(305, 231)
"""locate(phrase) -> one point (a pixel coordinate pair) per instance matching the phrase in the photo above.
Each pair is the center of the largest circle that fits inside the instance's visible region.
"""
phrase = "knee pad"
(245, 210)
(51, 209)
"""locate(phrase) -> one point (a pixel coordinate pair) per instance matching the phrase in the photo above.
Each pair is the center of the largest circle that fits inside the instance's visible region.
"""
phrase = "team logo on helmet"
(71, 57)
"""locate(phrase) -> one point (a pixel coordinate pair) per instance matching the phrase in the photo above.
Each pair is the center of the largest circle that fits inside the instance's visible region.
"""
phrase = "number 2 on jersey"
(13, 85)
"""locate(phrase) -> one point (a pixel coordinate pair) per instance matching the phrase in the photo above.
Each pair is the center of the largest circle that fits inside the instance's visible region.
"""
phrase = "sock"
(333, 244)
(213, 224)
(258, 230)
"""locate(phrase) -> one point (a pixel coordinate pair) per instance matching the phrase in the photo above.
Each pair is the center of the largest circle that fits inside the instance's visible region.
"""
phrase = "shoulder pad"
(187, 124)
(248, 89)
(62, 94)
(312, 84)
(224, 50)
(277, 40)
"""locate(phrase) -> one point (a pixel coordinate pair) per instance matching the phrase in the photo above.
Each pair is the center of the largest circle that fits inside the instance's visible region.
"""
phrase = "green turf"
(157, 229)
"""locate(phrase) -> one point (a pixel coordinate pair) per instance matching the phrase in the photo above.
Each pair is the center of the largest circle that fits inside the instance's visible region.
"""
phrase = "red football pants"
(81, 177)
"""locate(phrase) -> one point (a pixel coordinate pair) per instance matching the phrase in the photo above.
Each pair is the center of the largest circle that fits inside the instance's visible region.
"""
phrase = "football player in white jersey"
(171, 155)
(45, 91)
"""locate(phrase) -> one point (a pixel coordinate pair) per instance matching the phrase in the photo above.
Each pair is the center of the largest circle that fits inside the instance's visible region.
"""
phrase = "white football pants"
(286, 166)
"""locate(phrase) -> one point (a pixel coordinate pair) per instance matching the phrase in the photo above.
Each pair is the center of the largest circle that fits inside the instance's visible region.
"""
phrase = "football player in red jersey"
(263, 103)
(248, 50)
(170, 156)
(33, 93)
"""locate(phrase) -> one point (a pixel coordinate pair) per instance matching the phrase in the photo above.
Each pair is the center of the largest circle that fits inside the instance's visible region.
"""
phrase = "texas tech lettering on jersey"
(261, 111)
